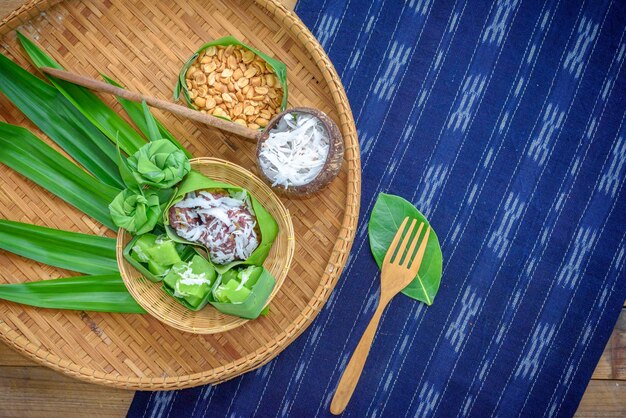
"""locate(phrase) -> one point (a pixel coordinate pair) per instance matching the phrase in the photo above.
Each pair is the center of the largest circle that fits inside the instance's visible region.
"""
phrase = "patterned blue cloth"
(503, 122)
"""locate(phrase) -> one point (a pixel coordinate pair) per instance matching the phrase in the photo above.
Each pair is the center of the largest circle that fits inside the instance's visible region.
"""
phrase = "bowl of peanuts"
(230, 80)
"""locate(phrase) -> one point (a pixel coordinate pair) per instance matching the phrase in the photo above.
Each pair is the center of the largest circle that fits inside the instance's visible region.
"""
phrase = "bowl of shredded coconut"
(300, 151)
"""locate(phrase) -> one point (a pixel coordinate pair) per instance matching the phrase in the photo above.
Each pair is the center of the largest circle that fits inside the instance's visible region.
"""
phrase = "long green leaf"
(84, 253)
(34, 159)
(387, 216)
(59, 120)
(104, 293)
(153, 129)
(90, 105)
(135, 112)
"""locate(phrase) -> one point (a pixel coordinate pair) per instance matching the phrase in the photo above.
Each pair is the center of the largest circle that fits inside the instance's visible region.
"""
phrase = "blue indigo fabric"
(503, 122)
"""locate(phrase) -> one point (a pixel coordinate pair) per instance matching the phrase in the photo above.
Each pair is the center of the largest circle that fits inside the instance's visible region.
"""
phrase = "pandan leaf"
(90, 105)
(153, 129)
(136, 210)
(127, 175)
(31, 157)
(84, 253)
(102, 293)
(58, 119)
(387, 216)
(159, 164)
(135, 112)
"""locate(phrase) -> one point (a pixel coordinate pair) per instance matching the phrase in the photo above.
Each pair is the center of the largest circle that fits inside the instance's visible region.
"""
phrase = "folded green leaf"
(34, 159)
(84, 253)
(190, 282)
(159, 164)
(90, 105)
(135, 210)
(103, 293)
(387, 216)
(154, 260)
(58, 119)
(244, 301)
(135, 112)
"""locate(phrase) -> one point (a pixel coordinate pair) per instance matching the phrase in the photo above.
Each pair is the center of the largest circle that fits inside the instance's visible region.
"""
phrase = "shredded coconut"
(245, 276)
(189, 278)
(295, 150)
(140, 254)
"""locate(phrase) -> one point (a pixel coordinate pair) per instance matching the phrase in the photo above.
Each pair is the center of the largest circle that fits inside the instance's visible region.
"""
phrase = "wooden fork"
(397, 272)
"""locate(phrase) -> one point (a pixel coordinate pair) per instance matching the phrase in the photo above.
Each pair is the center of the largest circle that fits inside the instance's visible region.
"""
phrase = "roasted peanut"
(234, 83)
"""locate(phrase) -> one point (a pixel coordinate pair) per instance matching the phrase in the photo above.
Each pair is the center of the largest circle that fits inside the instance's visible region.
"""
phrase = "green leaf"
(387, 216)
(84, 253)
(103, 293)
(135, 210)
(90, 105)
(280, 69)
(135, 112)
(255, 300)
(153, 129)
(58, 119)
(159, 164)
(34, 159)
(127, 176)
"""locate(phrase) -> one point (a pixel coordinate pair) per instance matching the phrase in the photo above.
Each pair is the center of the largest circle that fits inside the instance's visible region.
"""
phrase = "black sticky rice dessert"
(224, 223)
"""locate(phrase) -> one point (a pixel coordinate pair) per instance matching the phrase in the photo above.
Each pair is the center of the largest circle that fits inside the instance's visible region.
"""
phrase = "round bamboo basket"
(142, 44)
(209, 320)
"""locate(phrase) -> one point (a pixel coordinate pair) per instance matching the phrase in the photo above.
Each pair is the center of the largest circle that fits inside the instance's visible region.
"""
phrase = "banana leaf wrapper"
(196, 299)
(280, 69)
(266, 223)
(185, 252)
(254, 304)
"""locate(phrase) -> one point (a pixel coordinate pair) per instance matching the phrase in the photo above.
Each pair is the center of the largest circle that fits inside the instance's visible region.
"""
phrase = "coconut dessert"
(222, 222)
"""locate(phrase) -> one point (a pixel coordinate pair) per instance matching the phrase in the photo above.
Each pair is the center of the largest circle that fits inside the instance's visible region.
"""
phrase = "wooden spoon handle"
(101, 86)
(352, 373)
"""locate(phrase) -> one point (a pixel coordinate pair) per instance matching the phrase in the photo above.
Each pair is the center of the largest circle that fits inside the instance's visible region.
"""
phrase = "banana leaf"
(103, 293)
(253, 305)
(84, 253)
(90, 105)
(387, 216)
(28, 155)
(135, 112)
(58, 119)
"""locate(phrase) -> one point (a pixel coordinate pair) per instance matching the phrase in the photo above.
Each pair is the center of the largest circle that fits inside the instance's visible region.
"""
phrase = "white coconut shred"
(295, 150)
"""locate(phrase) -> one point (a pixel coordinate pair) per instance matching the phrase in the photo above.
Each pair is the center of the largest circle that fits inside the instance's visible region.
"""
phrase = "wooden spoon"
(327, 174)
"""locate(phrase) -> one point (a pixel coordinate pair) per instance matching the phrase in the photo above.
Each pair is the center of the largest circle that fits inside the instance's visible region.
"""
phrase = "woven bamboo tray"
(162, 306)
(142, 43)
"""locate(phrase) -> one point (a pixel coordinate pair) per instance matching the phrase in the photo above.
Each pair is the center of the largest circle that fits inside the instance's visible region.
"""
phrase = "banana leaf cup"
(267, 225)
(153, 259)
(236, 294)
(191, 283)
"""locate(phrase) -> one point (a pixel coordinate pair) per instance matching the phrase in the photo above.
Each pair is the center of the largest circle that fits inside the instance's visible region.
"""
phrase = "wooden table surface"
(30, 390)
